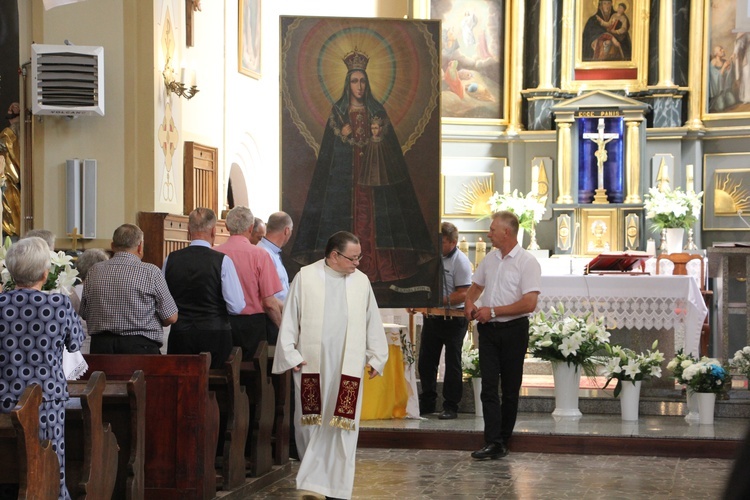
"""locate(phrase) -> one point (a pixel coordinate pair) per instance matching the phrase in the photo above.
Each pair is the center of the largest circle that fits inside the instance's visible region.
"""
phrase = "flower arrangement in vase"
(555, 336)
(673, 208)
(625, 365)
(741, 362)
(529, 209)
(707, 375)
(678, 364)
(470, 361)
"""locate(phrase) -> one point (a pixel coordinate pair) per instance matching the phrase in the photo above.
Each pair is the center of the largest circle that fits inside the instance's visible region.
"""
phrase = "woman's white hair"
(27, 260)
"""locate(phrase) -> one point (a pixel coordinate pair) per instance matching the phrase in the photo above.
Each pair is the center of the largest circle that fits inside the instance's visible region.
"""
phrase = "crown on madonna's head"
(356, 60)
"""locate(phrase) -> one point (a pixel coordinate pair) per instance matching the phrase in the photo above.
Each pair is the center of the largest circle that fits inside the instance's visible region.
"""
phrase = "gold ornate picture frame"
(608, 47)
(726, 88)
(475, 36)
(248, 38)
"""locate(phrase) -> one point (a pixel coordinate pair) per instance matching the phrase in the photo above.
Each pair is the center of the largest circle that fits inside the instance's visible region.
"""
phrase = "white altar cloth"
(633, 301)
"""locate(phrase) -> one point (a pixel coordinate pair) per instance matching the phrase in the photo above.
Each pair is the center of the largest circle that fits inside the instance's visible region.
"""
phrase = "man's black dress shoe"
(448, 415)
(491, 451)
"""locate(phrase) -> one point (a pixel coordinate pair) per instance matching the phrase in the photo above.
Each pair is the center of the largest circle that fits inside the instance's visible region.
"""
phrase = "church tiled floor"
(429, 474)
(436, 474)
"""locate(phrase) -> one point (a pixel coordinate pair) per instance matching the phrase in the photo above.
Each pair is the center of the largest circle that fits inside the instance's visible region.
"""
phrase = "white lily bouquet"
(470, 361)
(529, 209)
(555, 336)
(672, 209)
(626, 365)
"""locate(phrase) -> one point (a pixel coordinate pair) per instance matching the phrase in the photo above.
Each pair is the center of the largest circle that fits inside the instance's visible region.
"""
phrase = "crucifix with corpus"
(600, 138)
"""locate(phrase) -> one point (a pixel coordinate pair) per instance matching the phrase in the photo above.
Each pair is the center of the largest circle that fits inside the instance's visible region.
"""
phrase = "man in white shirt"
(510, 278)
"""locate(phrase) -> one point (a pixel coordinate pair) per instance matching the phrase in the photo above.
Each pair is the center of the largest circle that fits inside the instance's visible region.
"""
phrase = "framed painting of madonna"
(608, 47)
(473, 62)
(360, 148)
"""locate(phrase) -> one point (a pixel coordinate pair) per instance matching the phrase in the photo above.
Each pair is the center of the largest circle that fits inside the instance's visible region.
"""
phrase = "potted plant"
(677, 365)
(707, 378)
(571, 343)
(630, 369)
(674, 211)
(470, 368)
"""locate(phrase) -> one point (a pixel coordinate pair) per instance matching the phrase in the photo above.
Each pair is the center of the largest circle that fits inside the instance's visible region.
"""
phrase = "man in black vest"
(206, 288)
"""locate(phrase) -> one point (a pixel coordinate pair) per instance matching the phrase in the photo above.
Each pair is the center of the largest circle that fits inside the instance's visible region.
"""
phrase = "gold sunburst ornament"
(474, 197)
(730, 196)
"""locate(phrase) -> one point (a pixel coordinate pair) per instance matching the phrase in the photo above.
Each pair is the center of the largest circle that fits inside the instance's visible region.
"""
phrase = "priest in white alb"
(330, 333)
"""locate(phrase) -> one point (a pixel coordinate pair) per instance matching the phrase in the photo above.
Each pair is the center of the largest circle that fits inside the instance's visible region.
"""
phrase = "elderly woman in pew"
(35, 327)
(85, 262)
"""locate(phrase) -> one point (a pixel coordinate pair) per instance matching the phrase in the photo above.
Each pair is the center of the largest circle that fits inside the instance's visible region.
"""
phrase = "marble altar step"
(653, 402)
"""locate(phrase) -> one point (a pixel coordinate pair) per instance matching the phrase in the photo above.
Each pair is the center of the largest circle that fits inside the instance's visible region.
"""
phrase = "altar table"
(639, 302)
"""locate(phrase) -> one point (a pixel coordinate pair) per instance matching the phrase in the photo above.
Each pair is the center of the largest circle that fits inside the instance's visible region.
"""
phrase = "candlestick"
(506, 180)
(535, 180)
(689, 178)
(481, 251)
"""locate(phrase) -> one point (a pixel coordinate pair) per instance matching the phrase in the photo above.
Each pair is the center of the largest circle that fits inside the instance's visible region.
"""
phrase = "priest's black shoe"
(491, 451)
(448, 415)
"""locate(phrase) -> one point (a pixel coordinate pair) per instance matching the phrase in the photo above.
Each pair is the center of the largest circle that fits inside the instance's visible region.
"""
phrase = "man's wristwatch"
(492, 313)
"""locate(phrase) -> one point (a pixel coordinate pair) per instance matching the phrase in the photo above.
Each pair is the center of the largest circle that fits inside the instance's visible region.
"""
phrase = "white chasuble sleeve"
(377, 343)
(287, 356)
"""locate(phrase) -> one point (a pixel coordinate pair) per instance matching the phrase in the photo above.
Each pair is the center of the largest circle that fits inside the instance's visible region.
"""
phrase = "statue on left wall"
(10, 178)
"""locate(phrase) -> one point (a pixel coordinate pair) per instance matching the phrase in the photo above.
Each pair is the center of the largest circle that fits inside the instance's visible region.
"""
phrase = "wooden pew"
(124, 407)
(234, 414)
(282, 388)
(182, 421)
(90, 445)
(254, 376)
(24, 460)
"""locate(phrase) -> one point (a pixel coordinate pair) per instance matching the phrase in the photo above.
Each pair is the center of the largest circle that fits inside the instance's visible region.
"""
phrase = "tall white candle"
(690, 178)
(535, 180)
(506, 179)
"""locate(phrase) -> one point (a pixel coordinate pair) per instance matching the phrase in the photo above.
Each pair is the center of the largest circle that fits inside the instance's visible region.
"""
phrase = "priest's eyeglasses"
(350, 259)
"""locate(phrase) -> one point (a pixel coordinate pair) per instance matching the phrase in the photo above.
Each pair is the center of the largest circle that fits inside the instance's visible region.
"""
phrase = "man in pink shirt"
(259, 282)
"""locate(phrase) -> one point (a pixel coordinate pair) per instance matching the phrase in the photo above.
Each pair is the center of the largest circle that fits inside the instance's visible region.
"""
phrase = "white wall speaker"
(88, 199)
(73, 192)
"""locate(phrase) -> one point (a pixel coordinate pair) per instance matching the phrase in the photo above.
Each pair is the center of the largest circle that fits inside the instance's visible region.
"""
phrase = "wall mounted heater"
(67, 80)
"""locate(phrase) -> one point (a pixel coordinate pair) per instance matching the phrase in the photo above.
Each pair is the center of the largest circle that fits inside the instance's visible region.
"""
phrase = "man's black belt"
(508, 324)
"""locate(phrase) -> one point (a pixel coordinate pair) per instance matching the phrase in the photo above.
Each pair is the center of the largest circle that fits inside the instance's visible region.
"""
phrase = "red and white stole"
(311, 331)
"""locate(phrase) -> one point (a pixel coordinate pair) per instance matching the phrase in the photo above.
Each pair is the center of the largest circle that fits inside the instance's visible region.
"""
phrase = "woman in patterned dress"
(35, 327)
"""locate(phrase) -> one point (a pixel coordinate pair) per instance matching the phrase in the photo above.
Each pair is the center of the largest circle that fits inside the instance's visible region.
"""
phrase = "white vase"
(567, 381)
(674, 239)
(520, 236)
(706, 403)
(692, 406)
(476, 384)
(630, 397)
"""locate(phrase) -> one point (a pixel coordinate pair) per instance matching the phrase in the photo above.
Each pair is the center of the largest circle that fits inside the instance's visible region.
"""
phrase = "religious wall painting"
(608, 47)
(473, 65)
(248, 35)
(360, 147)
(726, 198)
(599, 231)
(726, 69)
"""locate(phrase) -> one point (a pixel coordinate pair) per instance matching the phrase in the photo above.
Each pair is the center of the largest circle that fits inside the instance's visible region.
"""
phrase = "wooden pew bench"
(182, 421)
(282, 387)
(124, 408)
(254, 376)
(234, 415)
(90, 445)
(24, 459)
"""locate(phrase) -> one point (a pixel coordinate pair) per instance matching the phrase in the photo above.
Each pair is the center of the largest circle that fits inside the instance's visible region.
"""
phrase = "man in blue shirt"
(443, 330)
